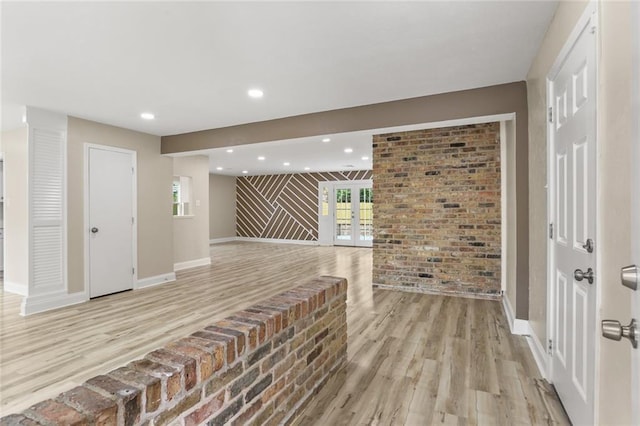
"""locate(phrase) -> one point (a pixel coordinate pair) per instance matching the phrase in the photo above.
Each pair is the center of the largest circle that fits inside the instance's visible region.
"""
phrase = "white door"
(353, 215)
(573, 212)
(110, 221)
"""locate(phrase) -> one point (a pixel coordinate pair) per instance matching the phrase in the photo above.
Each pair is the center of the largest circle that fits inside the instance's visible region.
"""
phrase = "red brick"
(204, 359)
(100, 410)
(168, 374)
(129, 396)
(187, 365)
(152, 385)
(250, 332)
(18, 420)
(259, 325)
(57, 413)
(226, 341)
(199, 415)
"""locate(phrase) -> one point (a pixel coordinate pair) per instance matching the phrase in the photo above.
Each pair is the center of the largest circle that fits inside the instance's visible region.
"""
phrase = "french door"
(353, 215)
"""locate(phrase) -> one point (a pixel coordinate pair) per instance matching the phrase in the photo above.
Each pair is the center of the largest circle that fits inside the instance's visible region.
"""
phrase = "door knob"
(629, 276)
(612, 329)
(588, 246)
(94, 230)
(579, 275)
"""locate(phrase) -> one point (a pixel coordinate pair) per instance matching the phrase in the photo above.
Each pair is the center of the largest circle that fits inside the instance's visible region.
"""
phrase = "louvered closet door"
(110, 222)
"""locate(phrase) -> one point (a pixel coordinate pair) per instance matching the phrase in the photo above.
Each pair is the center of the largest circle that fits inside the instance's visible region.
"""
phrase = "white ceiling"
(191, 63)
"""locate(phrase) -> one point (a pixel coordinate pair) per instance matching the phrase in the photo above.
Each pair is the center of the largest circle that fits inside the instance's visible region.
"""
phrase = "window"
(182, 195)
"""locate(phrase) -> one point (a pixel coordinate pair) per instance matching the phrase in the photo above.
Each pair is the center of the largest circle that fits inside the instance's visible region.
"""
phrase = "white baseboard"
(191, 264)
(156, 280)
(46, 302)
(517, 326)
(222, 240)
(277, 241)
(539, 354)
(10, 287)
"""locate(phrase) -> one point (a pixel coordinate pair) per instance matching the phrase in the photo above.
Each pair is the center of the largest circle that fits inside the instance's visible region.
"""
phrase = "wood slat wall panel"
(283, 206)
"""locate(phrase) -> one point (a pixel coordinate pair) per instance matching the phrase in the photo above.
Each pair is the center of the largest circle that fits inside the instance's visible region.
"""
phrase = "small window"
(182, 196)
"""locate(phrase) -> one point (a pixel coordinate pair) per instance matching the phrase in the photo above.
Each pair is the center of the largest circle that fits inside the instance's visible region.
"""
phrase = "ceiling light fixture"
(307, 168)
(218, 168)
(261, 158)
(147, 116)
(326, 140)
(286, 163)
(245, 171)
(348, 150)
(365, 158)
(255, 93)
(229, 150)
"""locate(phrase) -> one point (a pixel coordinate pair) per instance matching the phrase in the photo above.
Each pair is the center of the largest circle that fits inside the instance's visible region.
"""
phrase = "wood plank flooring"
(412, 359)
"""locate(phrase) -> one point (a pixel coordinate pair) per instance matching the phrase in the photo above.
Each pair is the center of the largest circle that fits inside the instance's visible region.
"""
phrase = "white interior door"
(111, 214)
(353, 215)
(573, 213)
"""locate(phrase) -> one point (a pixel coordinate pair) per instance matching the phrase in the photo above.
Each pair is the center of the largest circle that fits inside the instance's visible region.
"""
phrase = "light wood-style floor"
(412, 359)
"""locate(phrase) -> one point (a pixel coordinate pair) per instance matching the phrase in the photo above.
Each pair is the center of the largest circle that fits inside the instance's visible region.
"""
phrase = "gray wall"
(222, 206)
(191, 233)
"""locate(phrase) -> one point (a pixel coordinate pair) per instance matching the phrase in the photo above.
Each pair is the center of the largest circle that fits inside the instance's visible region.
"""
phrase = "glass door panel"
(365, 234)
(344, 217)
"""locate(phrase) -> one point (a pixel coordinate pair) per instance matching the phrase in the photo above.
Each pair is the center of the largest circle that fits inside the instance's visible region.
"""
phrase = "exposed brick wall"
(283, 206)
(437, 210)
(260, 366)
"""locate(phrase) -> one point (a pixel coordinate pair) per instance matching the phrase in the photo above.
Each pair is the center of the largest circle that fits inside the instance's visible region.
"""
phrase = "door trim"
(635, 202)
(85, 231)
(588, 17)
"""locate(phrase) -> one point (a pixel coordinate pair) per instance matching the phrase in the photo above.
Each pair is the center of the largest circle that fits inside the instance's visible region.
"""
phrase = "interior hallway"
(410, 358)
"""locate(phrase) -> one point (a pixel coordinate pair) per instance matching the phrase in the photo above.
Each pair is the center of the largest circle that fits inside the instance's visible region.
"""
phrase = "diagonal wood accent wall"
(283, 206)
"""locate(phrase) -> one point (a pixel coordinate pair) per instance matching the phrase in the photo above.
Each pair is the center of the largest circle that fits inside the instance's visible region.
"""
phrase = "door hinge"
(550, 347)
(133, 171)
(551, 231)
(133, 220)
(133, 271)
(550, 115)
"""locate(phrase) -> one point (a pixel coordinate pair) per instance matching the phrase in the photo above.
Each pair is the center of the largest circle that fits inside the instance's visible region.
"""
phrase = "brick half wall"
(437, 213)
(259, 366)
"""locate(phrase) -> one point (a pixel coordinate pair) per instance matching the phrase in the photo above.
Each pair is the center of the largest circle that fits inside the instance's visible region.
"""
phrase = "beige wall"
(16, 230)
(615, 122)
(563, 22)
(222, 206)
(191, 233)
(155, 236)
(613, 403)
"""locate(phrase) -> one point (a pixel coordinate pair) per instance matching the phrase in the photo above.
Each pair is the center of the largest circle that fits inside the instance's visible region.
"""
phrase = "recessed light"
(307, 168)
(255, 93)
(348, 150)
(229, 150)
(261, 158)
(286, 163)
(326, 140)
(218, 168)
(245, 171)
(365, 158)
(147, 116)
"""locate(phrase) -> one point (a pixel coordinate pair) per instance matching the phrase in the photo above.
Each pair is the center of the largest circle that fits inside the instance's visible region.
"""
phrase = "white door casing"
(110, 214)
(635, 205)
(358, 231)
(572, 213)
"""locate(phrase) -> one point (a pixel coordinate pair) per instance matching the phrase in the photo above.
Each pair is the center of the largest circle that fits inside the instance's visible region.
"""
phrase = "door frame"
(326, 228)
(635, 202)
(86, 233)
(588, 18)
